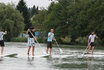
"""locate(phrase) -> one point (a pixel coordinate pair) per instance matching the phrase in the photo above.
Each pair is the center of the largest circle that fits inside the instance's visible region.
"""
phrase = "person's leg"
(47, 50)
(50, 51)
(29, 50)
(48, 45)
(92, 49)
(2, 49)
(33, 50)
(88, 49)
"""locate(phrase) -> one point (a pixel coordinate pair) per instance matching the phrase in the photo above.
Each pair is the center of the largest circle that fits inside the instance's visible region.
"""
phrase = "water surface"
(15, 58)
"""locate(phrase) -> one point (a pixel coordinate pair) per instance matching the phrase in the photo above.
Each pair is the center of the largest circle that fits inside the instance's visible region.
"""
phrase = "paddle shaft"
(35, 39)
(59, 47)
(85, 50)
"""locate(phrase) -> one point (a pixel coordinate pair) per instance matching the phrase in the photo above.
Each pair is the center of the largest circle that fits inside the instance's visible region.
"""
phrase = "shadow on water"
(12, 55)
(1, 58)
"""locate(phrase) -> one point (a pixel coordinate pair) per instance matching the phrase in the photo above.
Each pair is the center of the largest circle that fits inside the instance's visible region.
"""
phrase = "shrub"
(82, 40)
(66, 39)
(19, 39)
(42, 39)
(24, 39)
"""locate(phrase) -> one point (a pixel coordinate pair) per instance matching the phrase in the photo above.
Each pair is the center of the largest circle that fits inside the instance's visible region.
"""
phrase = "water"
(15, 59)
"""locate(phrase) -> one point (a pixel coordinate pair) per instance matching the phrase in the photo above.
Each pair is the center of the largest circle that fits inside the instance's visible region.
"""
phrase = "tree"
(39, 18)
(11, 20)
(24, 11)
(75, 20)
(57, 19)
(33, 11)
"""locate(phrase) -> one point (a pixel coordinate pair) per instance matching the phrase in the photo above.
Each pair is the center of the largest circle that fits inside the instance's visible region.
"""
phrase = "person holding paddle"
(31, 42)
(2, 41)
(91, 40)
(49, 41)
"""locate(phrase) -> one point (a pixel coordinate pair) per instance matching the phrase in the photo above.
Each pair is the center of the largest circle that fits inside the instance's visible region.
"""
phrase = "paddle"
(85, 51)
(61, 51)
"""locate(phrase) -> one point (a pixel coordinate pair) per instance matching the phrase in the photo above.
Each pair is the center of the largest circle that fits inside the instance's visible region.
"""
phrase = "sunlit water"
(15, 58)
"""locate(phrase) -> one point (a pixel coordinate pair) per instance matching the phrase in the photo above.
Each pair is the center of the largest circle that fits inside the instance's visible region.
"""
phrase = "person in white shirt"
(49, 41)
(91, 40)
(2, 41)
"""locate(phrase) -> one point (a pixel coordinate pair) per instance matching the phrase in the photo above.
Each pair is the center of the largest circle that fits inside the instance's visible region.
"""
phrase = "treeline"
(74, 20)
(16, 19)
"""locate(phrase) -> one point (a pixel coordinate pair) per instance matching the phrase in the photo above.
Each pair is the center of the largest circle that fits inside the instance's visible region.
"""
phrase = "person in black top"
(31, 43)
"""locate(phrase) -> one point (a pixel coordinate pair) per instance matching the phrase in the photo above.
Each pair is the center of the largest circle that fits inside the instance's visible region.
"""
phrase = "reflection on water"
(91, 63)
(30, 60)
(68, 60)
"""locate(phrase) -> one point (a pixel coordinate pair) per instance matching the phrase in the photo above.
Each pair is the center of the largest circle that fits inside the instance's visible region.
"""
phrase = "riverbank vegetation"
(72, 20)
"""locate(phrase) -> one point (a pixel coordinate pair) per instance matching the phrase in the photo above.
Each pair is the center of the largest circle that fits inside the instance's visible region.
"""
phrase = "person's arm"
(49, 34)
(54, 38)
(88, 41)
(27, 31)
(96, 36)
(5, 32)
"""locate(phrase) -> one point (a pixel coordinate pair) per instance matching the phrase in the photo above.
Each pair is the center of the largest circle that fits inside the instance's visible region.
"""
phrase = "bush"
(19, 39)
(24, 39)
(42, 39)
(99, 42)
(66, 39)
(82, 40)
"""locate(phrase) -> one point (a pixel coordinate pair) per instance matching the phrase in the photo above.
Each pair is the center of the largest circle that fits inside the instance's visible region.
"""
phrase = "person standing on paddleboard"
(49, 41)
(91, 40)
(2, 41)
(31, 43)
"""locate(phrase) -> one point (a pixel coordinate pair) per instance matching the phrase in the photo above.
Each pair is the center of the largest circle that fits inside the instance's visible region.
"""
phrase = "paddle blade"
(61, 51)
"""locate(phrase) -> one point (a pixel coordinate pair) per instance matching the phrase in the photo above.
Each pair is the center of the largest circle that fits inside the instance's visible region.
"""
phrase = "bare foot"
(92, 54)
(46, 52)
(33, 55)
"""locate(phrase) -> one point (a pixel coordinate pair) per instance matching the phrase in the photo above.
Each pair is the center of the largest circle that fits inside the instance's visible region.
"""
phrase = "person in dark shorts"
(2, 41)
(49, 41)
(91, 40)
(92, 44)
(49, 45)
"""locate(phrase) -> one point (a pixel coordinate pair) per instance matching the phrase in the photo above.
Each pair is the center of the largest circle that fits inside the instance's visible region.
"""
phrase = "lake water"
(15, 58)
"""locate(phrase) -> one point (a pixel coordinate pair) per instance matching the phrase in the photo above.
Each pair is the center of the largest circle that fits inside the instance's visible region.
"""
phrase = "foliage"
(82, 40)
(11, 20)
(25, 12)
(76, 19)
(19, 39)
(33, 11)
(67, 39)
(39, 18)
(42, 39)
